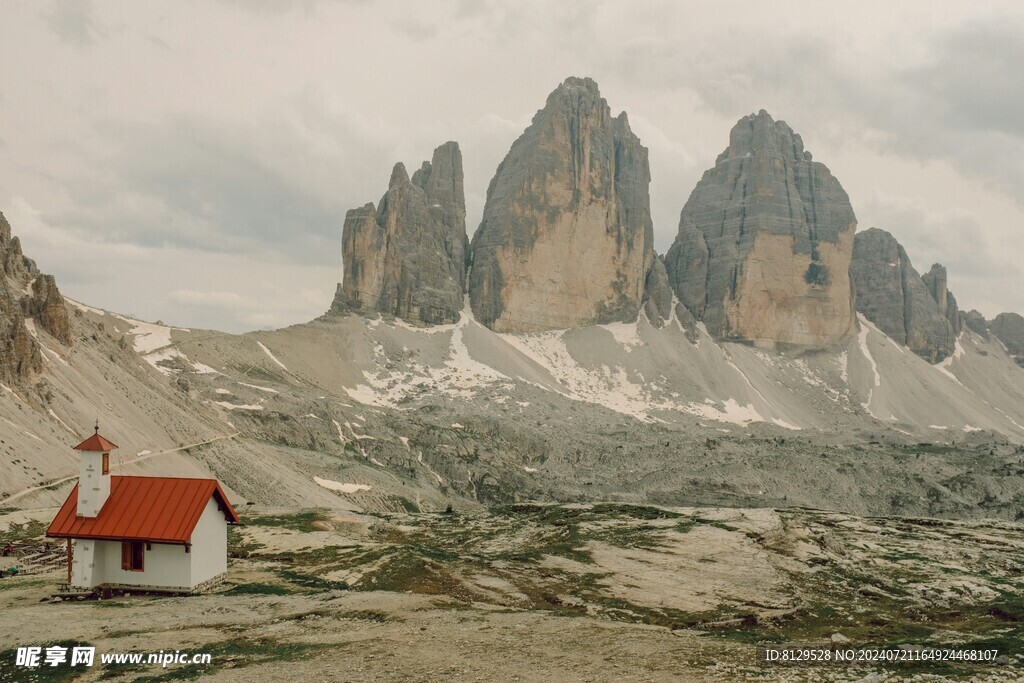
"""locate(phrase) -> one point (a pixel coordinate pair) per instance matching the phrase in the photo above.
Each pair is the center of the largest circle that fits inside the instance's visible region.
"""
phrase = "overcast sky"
(193, 161)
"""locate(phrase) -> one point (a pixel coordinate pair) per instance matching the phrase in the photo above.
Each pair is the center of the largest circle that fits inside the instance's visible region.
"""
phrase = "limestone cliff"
(566, 238)
(407, 256)
(892, 295)
(765, 241)
(25, 293)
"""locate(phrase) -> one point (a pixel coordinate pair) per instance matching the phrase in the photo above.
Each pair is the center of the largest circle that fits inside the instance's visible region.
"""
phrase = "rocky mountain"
(566, 236)
(892, 295)
(1009, 329)
(28, 299)
(765, 241)
(628, 377)
(407, 256)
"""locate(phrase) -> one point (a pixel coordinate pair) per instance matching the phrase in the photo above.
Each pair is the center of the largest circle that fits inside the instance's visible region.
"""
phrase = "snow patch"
(62, 422)
(30, 325)
(946, 366)
(341, 437)
(149, 337)
(85, 309)
(862, 340)
(272, 356)
(419, 458)
(233, 406)
(223, 391)
(339, 487)
(259, 388)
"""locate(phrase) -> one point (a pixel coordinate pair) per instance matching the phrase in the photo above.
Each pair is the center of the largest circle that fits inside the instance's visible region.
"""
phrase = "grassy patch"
(311, 582)
(370, 615)
(298, 521)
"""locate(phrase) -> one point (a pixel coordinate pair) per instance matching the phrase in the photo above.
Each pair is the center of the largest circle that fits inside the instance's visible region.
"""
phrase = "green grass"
(257, 589)
(370, 615)
(298, 521)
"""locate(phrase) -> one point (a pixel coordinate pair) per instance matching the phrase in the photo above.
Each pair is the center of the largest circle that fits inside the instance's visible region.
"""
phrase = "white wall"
(165, 565)
(209, 544)
(84, 563)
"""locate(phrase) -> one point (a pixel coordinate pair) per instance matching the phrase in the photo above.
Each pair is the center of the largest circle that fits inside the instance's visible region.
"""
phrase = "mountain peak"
(760, 133)
(566, 238)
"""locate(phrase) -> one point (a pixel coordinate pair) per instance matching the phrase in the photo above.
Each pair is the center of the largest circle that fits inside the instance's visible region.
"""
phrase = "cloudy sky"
(192, 161)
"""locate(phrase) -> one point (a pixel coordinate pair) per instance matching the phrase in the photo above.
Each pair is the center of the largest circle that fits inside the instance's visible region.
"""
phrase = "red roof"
(96, 443)
(160, 509)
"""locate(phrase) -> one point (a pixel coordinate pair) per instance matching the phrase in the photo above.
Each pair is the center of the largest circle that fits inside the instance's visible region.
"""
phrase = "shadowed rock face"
(976, 322)
(25, 293)
(936, 282)
(765, 241)
(897, 300)
(407, 257)
(658, 294)
(566, 237)
(1009, 329)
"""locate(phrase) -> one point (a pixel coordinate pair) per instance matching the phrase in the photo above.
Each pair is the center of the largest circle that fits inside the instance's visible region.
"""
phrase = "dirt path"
(147, 456)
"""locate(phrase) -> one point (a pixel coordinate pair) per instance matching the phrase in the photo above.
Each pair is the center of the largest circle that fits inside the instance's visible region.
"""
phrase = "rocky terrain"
(765, 241)
(566, 238)
(556, 593)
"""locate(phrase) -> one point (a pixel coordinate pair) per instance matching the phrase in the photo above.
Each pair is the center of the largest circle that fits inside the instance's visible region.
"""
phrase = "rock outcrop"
(566, 238)
(657, 294)
(407, 256)
(25, 293)
(764, 244)
(936, 282)
(892, 295)
(1009, 329)
(45, 304)
(975, 322)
